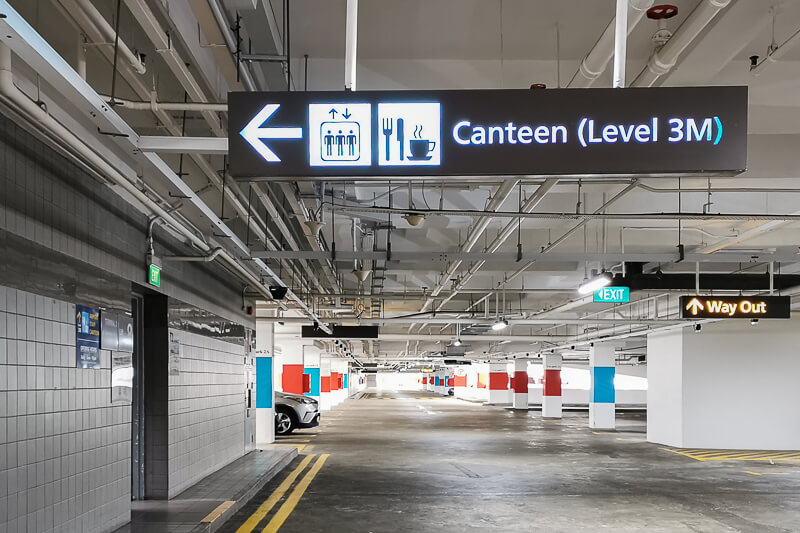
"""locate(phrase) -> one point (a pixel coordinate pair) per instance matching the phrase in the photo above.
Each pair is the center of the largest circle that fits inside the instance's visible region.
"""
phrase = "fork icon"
(387, 132)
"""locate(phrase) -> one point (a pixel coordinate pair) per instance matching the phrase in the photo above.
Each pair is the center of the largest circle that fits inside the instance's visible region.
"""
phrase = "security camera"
(572, 347)
(697, 328)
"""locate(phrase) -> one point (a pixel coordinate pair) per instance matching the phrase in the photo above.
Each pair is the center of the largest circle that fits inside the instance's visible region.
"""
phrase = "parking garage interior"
(374, 266)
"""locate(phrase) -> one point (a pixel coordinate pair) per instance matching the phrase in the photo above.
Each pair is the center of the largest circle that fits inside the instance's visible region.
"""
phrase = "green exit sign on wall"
(154, 276)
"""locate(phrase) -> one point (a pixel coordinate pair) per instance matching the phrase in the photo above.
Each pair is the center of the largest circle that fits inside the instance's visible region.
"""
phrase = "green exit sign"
(154, 276)
(613, 295)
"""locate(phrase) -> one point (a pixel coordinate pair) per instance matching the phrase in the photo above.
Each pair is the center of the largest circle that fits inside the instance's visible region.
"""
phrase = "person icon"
(351, 143)
(340, 140)
(327, 140)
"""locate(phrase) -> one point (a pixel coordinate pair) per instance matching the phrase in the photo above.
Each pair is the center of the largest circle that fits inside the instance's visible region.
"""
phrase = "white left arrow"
(254, 132)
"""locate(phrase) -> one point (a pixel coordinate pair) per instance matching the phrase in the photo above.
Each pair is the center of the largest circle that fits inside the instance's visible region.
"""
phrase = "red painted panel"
(334, 381)
(306, 383)
(498, 381)
(459, 381)
(325, 383)
(520, 382)
(293, 379)
(482, 379)
(552, 383)
(340, 385)
(425, 380)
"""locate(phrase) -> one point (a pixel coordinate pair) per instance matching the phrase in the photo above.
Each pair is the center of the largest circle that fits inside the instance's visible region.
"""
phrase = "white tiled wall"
(64, 449)
(206, 409)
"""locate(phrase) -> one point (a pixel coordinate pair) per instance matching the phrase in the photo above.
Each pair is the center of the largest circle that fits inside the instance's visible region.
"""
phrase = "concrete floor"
(408, 464)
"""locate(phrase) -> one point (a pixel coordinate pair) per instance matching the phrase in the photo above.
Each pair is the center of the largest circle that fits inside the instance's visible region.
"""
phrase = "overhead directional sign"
(735, 307)
(579, 132)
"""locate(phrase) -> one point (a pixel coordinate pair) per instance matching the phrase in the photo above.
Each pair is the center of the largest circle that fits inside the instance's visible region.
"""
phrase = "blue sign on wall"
(613, 295)
(313, 381)
(87, 338)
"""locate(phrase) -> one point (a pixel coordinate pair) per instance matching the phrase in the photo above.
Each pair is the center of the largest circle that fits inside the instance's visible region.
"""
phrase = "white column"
(520, 384)
(730, 385)
(551, 390)
(311, 367)
(498, 384)
(265, 392)
(601, 392)
(325, 384)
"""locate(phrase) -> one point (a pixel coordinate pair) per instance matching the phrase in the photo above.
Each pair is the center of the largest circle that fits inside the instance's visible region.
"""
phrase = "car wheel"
(284, 422)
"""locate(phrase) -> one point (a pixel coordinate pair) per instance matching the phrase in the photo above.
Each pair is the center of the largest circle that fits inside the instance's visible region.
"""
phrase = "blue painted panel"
(313, 380)
(436, 381)
(345, 380)
(602, 389)
(264, 382)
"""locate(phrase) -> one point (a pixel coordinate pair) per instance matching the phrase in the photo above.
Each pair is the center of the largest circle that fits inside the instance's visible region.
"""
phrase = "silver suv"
(294, 411)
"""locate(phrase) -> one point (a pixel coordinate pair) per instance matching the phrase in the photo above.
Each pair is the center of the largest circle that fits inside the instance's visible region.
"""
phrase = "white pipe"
(109, 34)
(596, 61)
(776, 53)
(662, 61)
(167, 106)
(81, 56)
(351, 45)
(620, 43)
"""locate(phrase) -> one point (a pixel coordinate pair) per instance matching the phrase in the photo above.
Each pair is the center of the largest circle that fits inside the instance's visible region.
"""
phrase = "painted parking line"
(273, 498)
(735, 455)
(297, 493)
(765, 473)
(217, 512)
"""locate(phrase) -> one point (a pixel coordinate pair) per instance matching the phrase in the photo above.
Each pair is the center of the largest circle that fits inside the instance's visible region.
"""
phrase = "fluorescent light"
(597, 282)
(500, 324)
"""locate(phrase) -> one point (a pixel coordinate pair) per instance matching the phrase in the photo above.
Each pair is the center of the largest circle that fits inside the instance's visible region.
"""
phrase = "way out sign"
(612, 295)
(663, 131)
(735, 307)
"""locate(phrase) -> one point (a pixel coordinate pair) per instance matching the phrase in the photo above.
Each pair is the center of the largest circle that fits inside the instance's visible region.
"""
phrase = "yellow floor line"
(308, 448)
(734, 455)
(216, 513)
(274, 498)
(297, 493)
(765, 473)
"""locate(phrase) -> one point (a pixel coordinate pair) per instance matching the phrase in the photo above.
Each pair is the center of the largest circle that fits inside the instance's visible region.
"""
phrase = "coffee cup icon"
(421, 149)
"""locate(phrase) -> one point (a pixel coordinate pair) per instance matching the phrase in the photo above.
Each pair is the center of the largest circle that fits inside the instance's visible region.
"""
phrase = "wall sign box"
(612, 295)
(735, 307)
(663, 131)
(87, 338)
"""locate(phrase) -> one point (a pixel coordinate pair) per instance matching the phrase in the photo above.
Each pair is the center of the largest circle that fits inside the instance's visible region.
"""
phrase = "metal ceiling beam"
(472, 321)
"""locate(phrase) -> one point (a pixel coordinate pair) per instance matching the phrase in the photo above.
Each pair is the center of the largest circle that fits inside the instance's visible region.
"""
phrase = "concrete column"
(730, 385)
(459, 382)
(292, 371)
(520, 384)
(551, 389)
(498, 384)
(265, 391)
(311, 368)
(325, 384)
(601, 392)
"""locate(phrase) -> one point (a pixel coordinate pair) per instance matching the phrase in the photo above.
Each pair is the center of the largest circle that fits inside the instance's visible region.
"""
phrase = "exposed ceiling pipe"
(501, 194)
(775, 53)
(596, 61)
(154, 106)
(620, 44)
(400, 337)
(471, 321)
(176, 64)
(528, 207)
(35, 113)
(243, 69)
(35, 51)
(351, 46)
(108, 34)
(663, 60)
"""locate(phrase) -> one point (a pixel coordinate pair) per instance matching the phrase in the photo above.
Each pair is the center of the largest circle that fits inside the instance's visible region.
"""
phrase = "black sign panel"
(341, 332)
(735, 307)
(579, 132)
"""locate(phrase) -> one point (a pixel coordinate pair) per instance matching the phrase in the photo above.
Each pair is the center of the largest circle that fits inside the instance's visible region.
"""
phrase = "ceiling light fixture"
(457, 342)
(500, 325)
(597, 282)
(414, 219)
